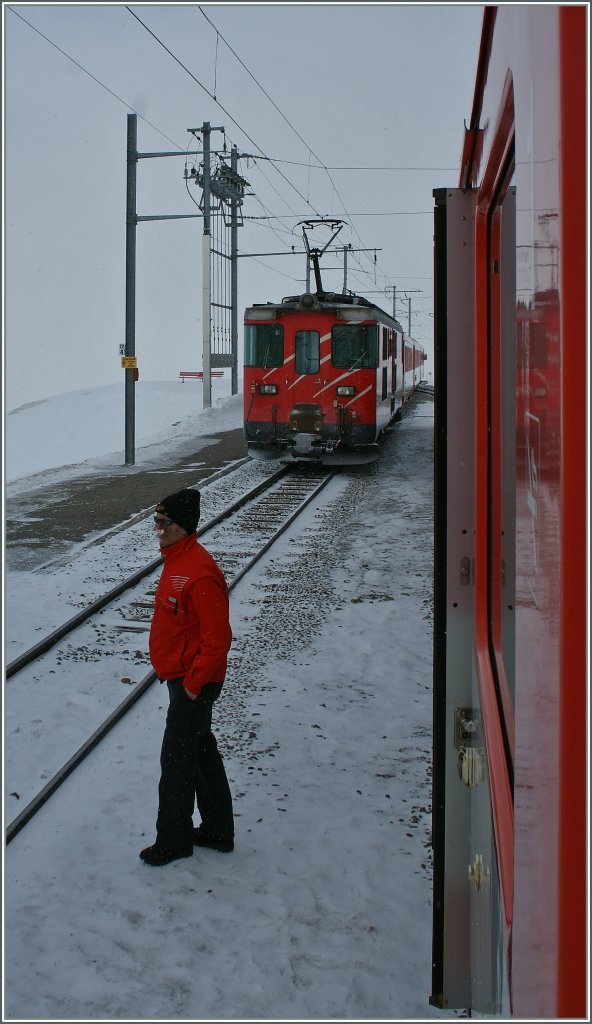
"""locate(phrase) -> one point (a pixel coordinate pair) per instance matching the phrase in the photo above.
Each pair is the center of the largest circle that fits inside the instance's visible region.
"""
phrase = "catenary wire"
(262, 156)
(129, 106)
(295, 130)
(217, 102)
(95, 79)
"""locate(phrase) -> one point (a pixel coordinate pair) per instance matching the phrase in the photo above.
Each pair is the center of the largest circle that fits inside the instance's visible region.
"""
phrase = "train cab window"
(264, 345)
(353, 346)
(307, 352)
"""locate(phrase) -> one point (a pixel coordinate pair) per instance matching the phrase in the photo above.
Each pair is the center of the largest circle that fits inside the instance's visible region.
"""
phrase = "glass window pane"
(308, 352)
(353, 346)
(264, 345)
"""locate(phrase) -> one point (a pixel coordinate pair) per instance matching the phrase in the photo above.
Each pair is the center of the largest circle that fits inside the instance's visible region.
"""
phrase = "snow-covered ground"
(323, 911)
(68, 433)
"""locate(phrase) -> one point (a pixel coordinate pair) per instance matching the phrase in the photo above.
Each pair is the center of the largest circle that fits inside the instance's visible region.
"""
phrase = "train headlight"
(268, 389)
(345, 390)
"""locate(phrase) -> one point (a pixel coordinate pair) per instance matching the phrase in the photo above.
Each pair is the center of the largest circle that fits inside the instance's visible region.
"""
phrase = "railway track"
(237, 538)
(61, 632)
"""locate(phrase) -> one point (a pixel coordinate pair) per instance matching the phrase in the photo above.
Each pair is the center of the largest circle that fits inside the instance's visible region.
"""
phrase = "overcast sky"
(375, 94)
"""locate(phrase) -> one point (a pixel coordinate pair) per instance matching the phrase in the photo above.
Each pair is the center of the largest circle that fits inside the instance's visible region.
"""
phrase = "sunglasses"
(162, 521)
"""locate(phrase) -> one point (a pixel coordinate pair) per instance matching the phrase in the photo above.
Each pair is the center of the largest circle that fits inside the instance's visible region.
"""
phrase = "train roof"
(311, 302)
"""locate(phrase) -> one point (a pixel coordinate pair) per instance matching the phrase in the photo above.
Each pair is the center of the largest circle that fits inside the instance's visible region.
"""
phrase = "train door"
(303, 373)
(307, 353)
(474, 613)
(304, 362)
(454, 722)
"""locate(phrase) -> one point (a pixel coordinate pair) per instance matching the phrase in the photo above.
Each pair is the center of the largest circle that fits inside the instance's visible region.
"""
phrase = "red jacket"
(190, 634)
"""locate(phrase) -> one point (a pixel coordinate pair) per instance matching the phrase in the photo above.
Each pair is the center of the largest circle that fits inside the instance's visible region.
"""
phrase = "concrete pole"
(130, 288)
(234, 278)
(206, 274)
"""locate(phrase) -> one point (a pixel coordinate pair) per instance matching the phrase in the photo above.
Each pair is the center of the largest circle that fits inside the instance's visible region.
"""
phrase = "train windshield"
(353, 346)
(264, 345)
(307, 352)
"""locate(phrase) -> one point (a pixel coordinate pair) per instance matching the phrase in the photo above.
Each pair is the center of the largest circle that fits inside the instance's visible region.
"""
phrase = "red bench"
(198, 374)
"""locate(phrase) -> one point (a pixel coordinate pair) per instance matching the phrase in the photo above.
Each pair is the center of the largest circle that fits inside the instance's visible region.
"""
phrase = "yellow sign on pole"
(129, 362)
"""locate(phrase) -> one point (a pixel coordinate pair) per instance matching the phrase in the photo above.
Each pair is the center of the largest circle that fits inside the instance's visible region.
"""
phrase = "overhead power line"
(380, 213)
(217, 102)
(129, 106)
(323, 167)
(94, 78)
(289, 123)
(259, 157)
(258, 83)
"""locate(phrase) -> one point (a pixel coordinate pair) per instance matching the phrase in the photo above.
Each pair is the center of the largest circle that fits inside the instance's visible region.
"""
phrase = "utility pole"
(414, 291)
(129, 360)
(224, 188)
(394, 302)
(206, 272)
(206, 131)
(408, 294)
(234, 198)
(234, 276)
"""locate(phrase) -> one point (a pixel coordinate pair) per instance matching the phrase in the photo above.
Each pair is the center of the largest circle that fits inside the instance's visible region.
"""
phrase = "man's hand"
(192, 696)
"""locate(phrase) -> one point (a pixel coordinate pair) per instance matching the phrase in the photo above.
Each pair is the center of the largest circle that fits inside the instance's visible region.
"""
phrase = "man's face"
(168, 532)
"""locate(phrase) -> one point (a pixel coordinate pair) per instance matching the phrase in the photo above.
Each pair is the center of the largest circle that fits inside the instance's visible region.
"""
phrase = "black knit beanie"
(182, 508)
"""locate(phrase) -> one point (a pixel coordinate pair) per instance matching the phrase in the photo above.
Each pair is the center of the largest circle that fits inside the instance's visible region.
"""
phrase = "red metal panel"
(538, 53)
(538, 556)
(501, 789)
(473, 143)
(498, 345)
(501, 792)
(573, 960)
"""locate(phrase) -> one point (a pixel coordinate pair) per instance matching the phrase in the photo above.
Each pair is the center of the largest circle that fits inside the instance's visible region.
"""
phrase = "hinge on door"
(467, 737)
(466, 727)
(478, 873)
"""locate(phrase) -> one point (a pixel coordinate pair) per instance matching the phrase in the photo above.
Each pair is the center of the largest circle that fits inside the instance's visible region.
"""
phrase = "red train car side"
(510, 678)
(324, 375)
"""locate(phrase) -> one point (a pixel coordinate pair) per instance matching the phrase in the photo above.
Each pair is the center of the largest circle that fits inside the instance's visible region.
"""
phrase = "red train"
(324, 375)
(510, 642)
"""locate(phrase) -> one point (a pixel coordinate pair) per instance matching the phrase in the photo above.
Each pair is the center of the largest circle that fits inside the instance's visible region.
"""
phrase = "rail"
(141, 688)
(44, 645)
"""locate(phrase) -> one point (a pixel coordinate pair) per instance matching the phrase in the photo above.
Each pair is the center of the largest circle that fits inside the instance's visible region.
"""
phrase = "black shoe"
(158, 855)
(203, 838)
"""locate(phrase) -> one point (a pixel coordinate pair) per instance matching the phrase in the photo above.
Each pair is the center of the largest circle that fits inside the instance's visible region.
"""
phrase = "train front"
(310, 381)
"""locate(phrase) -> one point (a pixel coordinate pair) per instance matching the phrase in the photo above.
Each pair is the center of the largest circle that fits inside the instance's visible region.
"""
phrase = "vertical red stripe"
(573, 899)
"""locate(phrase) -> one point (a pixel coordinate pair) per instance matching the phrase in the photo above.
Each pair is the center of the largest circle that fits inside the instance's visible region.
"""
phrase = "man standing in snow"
(190, 637)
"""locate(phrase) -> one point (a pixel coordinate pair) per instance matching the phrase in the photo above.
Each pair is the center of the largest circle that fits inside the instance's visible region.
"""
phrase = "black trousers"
(192, 770)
